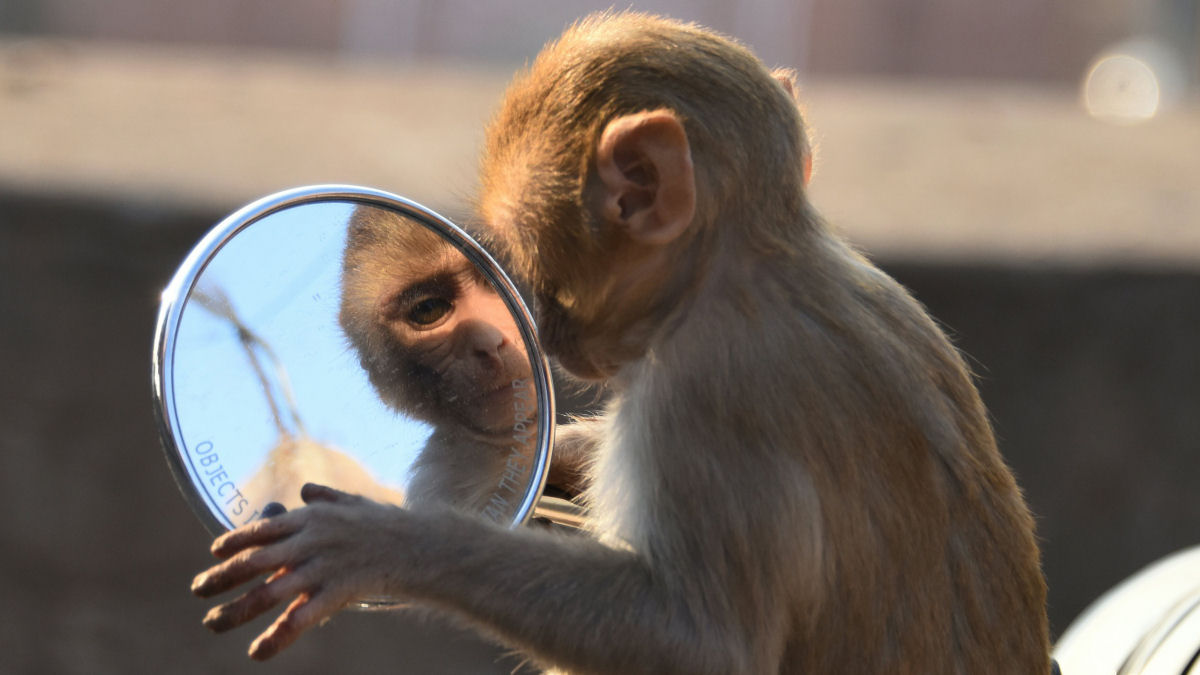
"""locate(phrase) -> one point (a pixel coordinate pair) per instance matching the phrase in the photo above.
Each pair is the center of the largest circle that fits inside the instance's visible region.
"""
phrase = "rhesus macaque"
(794, 473)
(439, 344)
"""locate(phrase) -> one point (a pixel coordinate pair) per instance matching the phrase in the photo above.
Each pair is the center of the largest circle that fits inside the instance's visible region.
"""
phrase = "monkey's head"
(435, 339)
(611, 168)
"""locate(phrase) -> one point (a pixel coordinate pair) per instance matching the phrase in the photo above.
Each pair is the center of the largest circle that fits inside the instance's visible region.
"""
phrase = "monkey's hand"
(323, 557)
(575, 445)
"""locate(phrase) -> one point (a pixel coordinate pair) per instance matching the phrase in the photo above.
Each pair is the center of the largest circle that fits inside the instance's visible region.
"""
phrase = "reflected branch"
(214, 299)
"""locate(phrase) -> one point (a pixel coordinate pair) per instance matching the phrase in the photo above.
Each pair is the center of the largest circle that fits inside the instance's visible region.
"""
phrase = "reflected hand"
(323, 556)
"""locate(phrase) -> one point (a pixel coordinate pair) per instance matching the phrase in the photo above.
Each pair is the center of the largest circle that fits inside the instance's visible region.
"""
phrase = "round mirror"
(353, 338)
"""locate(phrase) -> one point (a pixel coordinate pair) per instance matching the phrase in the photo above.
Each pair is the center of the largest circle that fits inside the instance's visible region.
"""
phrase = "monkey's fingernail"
(273, 509)
(310, 492)
(199, 582)
(216, 621)
(260, 649)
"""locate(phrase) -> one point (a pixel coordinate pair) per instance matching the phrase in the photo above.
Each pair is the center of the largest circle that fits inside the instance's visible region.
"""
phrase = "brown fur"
(808, 441)
(795, 473)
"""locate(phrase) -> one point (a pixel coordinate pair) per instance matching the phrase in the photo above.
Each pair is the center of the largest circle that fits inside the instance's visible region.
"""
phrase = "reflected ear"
(644, 163)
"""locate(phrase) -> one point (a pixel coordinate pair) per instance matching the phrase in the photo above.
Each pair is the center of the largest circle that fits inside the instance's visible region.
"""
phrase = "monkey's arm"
(572, 602)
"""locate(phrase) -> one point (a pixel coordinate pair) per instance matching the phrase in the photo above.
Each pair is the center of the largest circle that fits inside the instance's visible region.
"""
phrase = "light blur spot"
(1133, 81)
(1121, 89)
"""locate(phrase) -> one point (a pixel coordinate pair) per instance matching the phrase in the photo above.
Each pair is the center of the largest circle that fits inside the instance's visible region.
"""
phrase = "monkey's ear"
(644, 163)
(786, 77)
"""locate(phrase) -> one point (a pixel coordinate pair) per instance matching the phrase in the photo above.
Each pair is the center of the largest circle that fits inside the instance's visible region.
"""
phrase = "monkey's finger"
(257, 533)
(283, 584)
(313, 492)
(239, 569)
(273, 509)
(306, 611)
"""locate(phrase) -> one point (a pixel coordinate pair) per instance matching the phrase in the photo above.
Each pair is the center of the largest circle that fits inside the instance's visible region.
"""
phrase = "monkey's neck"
(450, 434)
(461, 469)
(732, 270)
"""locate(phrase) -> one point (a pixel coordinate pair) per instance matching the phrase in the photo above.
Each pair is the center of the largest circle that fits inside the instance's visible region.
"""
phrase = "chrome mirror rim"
(181, 284)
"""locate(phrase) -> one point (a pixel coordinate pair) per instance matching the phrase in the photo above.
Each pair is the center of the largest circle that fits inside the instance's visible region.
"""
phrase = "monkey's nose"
(485, 342)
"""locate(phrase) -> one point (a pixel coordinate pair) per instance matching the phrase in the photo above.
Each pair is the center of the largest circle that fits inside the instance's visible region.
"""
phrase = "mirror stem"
(560, 512)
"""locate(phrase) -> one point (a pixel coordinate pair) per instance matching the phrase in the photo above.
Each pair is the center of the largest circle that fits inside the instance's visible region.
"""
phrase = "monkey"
(794, 472)
(439, 345)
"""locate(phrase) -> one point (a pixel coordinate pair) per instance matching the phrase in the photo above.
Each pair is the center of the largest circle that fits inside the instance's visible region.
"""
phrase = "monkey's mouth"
(574, 357)
(498, 390)
(491, 408)
(488, 397)
(555, 328)
(583, 367)
(559, 333)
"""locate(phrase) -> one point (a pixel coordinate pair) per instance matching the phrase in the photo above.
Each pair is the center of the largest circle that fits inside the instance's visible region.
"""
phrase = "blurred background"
(1031, 170)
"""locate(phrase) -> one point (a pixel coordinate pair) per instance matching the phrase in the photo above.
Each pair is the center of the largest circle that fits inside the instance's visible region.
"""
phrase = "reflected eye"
(429, 311)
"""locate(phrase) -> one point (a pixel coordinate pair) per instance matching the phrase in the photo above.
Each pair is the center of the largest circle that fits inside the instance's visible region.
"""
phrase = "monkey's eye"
(428, 311)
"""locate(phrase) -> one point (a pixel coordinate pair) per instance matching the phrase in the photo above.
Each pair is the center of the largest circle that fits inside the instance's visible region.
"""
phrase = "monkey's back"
(856, 469)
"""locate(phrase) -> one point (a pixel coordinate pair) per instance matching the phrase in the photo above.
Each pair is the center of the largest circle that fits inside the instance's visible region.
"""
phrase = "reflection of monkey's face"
(435, 338)
(459, 339)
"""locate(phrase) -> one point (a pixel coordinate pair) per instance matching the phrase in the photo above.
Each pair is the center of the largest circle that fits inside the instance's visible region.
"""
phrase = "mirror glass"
(352, 338)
